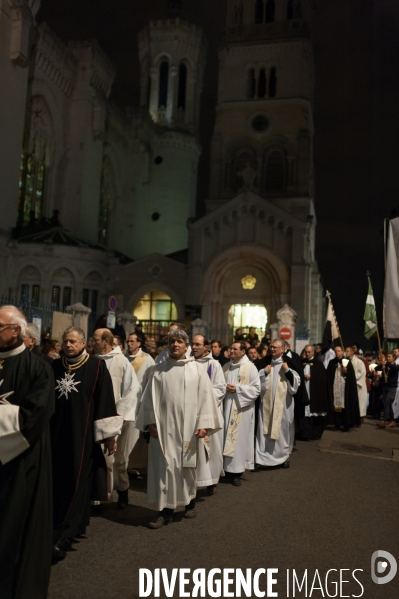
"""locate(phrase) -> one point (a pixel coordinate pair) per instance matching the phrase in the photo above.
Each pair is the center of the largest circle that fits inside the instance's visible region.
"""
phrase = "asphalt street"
(335, 506)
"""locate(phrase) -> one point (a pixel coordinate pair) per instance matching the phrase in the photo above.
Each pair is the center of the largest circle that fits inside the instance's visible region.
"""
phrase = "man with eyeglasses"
(276, 425)
(26, 406)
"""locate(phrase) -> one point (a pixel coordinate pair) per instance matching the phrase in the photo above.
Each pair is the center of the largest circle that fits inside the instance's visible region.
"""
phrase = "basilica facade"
(99, 201)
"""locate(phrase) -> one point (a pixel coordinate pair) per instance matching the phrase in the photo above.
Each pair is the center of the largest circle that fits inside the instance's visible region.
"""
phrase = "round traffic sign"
(112, 303)
(285, 333)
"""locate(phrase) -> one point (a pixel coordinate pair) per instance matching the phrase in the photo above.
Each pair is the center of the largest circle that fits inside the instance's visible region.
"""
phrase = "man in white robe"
(127, 391)
(141, 363)
(177, 408)
(242, 390)
(360, 373)
(210, 455)
(276, 426)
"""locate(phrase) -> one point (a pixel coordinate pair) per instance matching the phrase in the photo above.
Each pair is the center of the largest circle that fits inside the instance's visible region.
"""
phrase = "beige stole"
(139, 361)
(273, 411)
(236, 411)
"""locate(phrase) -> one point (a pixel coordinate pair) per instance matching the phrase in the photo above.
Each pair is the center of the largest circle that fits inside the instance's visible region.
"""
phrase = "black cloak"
(350, 415)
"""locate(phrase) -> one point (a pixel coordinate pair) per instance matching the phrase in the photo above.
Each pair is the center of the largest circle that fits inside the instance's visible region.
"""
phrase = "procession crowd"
(75, 425)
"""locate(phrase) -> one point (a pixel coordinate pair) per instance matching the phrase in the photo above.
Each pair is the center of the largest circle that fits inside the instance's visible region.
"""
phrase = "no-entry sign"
(112, 303)
(285, 333)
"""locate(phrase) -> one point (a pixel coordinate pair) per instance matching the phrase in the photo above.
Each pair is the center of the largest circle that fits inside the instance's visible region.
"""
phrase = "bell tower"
(263, 136)
(172, 56)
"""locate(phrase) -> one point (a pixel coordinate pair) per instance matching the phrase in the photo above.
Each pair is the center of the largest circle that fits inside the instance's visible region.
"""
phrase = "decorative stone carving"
(128, 321)
(248, 282)
(198, 327)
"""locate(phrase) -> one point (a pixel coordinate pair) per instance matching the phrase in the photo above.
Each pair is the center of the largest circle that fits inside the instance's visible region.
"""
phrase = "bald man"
(26, 406)
(127, 390)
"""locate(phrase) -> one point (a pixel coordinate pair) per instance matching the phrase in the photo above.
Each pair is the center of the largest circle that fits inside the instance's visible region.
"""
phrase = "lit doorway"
(243, 316)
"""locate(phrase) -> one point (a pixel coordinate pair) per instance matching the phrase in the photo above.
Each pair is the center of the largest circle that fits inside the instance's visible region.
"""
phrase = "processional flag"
(392, 282)
(331, 329)
(370, 314)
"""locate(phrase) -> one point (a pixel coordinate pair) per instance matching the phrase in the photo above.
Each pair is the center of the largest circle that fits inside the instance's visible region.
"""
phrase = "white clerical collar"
(133, 356)
(277, 361)
(206, 358)
(111, 354)
(240, 362)
(13, 352)
(185, 359)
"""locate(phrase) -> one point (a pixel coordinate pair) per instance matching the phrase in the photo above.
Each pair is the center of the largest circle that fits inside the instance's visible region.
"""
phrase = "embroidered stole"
(273, 410)
(236, 411)
(139, 361)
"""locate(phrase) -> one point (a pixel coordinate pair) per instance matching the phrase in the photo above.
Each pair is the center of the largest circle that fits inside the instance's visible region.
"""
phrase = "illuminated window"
(248, 315)
(155, 305)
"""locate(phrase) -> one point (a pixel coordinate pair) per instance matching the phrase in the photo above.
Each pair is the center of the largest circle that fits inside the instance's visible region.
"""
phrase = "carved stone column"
(129, 322)
(80, 315)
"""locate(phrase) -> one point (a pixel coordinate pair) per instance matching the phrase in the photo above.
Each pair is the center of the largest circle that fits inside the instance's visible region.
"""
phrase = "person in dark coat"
(85, 416)
(26, 407)
(311, 425)
(344, 410)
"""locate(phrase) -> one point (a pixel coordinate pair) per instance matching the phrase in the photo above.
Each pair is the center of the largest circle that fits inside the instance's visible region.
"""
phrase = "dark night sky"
(356, 45)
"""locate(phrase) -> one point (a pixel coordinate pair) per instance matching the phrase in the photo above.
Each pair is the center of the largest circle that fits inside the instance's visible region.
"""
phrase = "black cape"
(295, 363)
(350, 416)
(25, 481)
(312, 427)
(79, 468)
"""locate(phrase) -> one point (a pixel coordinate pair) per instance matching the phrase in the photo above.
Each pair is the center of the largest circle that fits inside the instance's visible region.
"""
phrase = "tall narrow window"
(251, 83)
(270, 6)
(272, 83)
(85, 297)
(31, 188)
(258, 12)
(24, 293)
(35, 294)
(182, 91)
(94, 300)
(107, 200)
(55, 296)
(163, 84)
(148, 92)
(66, 298)
(262, 84)
(275, 171)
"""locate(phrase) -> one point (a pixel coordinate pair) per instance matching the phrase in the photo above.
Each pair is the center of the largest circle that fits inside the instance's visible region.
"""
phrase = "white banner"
(392, 281)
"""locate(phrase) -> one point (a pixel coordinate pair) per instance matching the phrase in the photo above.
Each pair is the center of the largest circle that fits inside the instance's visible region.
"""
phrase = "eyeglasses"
(3, 326)
(276, 347)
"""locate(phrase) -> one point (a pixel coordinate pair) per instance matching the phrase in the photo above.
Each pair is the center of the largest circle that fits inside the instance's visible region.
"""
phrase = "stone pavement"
(332, 509)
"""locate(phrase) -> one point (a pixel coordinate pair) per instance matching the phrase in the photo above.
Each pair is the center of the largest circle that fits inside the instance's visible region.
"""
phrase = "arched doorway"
(244, 316)
(241, 276)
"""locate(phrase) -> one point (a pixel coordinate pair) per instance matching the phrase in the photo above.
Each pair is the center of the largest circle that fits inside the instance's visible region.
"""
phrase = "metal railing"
(32, 310)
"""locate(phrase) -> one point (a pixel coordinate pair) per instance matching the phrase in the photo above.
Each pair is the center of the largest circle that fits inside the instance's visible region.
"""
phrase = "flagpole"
(328, 294)
(368, 275)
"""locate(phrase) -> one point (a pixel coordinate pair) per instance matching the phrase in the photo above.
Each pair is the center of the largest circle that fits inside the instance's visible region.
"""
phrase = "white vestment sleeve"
(12, 441)
(107, 428)
(247, 394)
(208, 414)
(130, 393)
(292, 389)
(218, 382)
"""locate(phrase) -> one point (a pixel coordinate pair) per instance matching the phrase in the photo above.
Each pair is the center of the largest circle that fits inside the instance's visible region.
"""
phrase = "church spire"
(174, 8)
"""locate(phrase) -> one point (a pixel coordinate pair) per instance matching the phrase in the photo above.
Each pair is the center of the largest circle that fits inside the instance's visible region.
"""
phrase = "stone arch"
(218, 271)
(41, 89)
